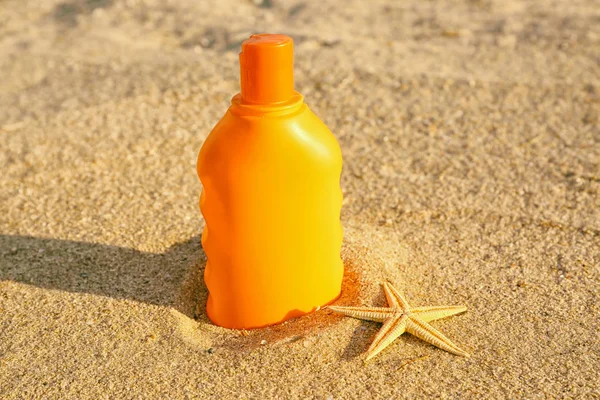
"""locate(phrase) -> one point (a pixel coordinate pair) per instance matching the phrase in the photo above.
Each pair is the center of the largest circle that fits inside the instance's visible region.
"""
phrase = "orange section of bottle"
(271, 198)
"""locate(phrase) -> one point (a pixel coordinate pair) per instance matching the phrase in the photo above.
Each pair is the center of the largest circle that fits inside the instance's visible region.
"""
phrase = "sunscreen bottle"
(271, 198)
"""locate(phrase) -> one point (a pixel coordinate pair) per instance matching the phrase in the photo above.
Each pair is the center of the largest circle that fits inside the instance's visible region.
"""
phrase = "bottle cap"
(267, 69)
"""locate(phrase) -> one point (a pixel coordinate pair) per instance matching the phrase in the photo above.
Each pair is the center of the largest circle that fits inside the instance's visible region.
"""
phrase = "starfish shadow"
(172, 279)
(360, 340)
(363, 334)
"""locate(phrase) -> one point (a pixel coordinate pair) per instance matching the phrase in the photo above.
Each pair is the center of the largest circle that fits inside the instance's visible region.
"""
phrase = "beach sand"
(471, 143)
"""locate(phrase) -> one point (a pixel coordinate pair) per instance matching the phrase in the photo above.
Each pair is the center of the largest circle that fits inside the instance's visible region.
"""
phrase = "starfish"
(400, 318)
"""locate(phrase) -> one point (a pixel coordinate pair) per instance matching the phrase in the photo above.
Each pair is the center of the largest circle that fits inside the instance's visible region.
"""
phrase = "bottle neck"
(291, 106)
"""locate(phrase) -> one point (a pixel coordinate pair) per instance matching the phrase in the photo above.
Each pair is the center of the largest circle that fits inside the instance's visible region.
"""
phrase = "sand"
(471, 143)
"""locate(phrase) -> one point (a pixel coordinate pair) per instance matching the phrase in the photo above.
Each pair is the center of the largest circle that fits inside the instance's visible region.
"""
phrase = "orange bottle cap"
(267, 69)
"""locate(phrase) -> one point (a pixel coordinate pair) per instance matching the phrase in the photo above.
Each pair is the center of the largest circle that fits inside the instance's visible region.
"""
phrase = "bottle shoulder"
(296, 137)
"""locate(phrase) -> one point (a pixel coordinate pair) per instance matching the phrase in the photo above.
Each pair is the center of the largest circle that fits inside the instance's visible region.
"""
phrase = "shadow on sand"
(173, 278)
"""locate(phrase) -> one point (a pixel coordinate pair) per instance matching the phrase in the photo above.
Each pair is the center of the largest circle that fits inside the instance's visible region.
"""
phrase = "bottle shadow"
(173, 278)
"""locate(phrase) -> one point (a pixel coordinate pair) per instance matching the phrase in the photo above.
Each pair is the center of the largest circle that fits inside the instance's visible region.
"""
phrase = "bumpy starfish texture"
(400, 318)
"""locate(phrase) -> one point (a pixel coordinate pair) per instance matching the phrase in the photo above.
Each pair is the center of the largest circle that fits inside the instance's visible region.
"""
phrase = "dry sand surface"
(471, 143)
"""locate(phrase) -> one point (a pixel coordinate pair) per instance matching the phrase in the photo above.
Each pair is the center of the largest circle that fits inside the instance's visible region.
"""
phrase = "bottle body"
(271, 201)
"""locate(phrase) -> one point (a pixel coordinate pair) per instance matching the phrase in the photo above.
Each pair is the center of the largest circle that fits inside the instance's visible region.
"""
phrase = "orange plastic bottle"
(271, 198)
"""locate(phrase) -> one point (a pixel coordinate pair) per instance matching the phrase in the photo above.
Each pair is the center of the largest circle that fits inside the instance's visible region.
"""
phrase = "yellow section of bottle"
(271, 201)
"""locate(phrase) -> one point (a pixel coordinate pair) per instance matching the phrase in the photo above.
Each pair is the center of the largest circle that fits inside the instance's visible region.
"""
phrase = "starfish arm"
(377, 314)
(428, 314)
(428, 333)
(394, 298)
(391, 329)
